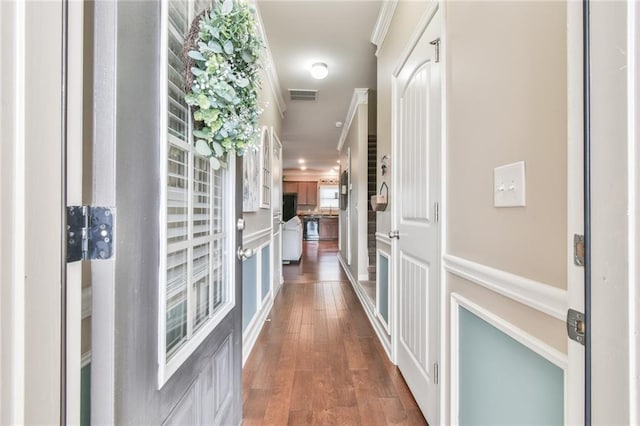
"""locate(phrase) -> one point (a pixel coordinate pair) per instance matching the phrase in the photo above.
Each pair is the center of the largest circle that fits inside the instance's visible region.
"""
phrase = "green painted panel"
(249, 290)
(85, 395)
(383, 287)
(502, 382)
(266, 270)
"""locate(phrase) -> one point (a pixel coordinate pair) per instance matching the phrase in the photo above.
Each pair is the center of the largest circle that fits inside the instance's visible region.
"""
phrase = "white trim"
(444, 290)
(252, 332)
(269, 64)
(381, 237)
(380, 29)
(162, 217)
(368, 308)
(363, 277)
(255, 236)
(12, 228)
(534, 344)
(633, 185)
(574, 407)
(542, 297)
(420, 28)
(385, 324)
(360, 97)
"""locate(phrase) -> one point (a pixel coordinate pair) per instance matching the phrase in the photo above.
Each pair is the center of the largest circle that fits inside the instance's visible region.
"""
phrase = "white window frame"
(168, 366)
(320, 206)
(265, 167)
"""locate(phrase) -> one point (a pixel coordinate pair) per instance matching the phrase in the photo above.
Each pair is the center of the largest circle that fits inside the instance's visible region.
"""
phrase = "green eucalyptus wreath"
(223, 80)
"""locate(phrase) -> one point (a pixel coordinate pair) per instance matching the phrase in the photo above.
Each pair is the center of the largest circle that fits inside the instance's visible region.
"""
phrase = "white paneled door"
(417, 147)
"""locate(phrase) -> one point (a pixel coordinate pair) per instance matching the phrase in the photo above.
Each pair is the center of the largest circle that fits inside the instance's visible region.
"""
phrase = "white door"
(417, 146)
(276, 208)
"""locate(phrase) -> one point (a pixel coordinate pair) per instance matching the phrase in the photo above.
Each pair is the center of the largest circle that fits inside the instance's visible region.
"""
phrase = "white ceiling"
(301, 32)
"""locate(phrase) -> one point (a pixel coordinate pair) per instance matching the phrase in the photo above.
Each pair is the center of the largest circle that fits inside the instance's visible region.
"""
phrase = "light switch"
(509, 185)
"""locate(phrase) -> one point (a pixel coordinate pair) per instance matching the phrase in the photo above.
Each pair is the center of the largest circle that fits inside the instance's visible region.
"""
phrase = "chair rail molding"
(542, 297)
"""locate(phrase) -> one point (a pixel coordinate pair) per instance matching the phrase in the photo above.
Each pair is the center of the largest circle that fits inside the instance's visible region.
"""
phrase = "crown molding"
(360, 97)
(269, 65)
(387, 9)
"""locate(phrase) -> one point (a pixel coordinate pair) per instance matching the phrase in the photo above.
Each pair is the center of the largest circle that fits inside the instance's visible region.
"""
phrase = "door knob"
(243, 253)
(394, 234)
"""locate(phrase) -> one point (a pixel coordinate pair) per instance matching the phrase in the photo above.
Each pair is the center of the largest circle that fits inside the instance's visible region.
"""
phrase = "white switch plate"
(509, 185)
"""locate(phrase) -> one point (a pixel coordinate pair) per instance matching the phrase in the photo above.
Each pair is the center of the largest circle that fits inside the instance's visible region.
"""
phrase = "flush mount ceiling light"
(319, 70)
(303, 168)
(301, 161)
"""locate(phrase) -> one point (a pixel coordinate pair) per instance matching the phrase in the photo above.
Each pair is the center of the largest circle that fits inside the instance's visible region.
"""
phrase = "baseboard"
(369, 309)
(250, 335)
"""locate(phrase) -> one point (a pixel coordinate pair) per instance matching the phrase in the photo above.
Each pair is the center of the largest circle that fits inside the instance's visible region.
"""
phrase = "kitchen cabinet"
(307, 192)
(328, 228)
(290, 187)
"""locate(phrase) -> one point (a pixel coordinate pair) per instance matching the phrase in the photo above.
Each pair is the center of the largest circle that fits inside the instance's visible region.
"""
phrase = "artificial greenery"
(223, 92)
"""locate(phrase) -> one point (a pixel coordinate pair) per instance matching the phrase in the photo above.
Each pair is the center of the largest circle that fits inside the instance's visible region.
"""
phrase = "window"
(265, 162)
(194, 276)
(328, 196)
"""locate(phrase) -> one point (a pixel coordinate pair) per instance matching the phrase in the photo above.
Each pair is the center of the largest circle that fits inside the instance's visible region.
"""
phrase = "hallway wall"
(505, 87)
(356, 140)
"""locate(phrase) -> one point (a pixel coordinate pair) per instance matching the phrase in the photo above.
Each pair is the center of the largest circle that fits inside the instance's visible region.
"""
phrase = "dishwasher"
(311, 228)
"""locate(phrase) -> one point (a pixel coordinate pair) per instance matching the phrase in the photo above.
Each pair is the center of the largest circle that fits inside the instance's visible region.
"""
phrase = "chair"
(292, 240)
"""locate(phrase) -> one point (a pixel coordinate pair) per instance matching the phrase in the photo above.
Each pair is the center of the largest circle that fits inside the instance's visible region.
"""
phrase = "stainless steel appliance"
(311, 228)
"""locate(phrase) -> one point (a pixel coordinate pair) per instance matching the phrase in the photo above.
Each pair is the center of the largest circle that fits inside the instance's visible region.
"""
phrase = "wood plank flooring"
(318, 360)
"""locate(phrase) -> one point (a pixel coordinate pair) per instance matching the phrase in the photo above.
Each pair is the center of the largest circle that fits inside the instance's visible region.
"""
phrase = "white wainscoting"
(368, 307)
(542, 297)
(251, 333)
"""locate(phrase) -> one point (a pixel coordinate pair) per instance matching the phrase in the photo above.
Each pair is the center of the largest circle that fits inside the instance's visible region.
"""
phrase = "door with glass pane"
(167, 337)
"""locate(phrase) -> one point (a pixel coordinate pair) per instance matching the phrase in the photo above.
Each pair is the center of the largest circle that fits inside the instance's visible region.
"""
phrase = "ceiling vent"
(303, 95)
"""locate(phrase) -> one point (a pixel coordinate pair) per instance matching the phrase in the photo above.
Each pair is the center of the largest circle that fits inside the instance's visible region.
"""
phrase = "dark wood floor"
(318, 361)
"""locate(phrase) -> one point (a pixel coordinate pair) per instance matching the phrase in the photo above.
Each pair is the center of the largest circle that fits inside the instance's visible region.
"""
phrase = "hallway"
(317, 360)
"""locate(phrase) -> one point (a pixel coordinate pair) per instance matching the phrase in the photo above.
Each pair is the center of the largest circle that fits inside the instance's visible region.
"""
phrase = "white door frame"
(575, 380)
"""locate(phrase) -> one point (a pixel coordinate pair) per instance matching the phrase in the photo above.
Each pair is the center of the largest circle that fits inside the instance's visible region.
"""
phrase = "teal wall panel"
(383, 287)
(85, 395)
(249, 290)
(266, 270)
(502, 382)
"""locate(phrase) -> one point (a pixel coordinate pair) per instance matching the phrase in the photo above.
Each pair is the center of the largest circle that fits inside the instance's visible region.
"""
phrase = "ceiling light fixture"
(303, 168)
(319, 70)
(301, 161)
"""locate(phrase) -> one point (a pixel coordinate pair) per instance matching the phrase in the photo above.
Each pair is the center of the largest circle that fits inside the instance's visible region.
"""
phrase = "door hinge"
(436, 43)
(89, 233)
(436, 212)
(576, 326)
(436, 373)
(578, 249)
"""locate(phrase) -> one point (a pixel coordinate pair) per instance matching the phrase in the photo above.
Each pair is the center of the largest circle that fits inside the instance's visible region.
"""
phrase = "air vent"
(303, 95)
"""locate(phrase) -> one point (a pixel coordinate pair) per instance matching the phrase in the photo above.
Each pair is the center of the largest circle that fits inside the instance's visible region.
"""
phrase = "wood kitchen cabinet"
(307, 192)
(290, 188)
(328, 228)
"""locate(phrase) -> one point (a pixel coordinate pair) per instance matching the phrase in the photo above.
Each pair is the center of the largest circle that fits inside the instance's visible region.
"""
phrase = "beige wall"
(405, 18)
(256, 221)
(506, 96)
(356, 140)
(505, 91)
